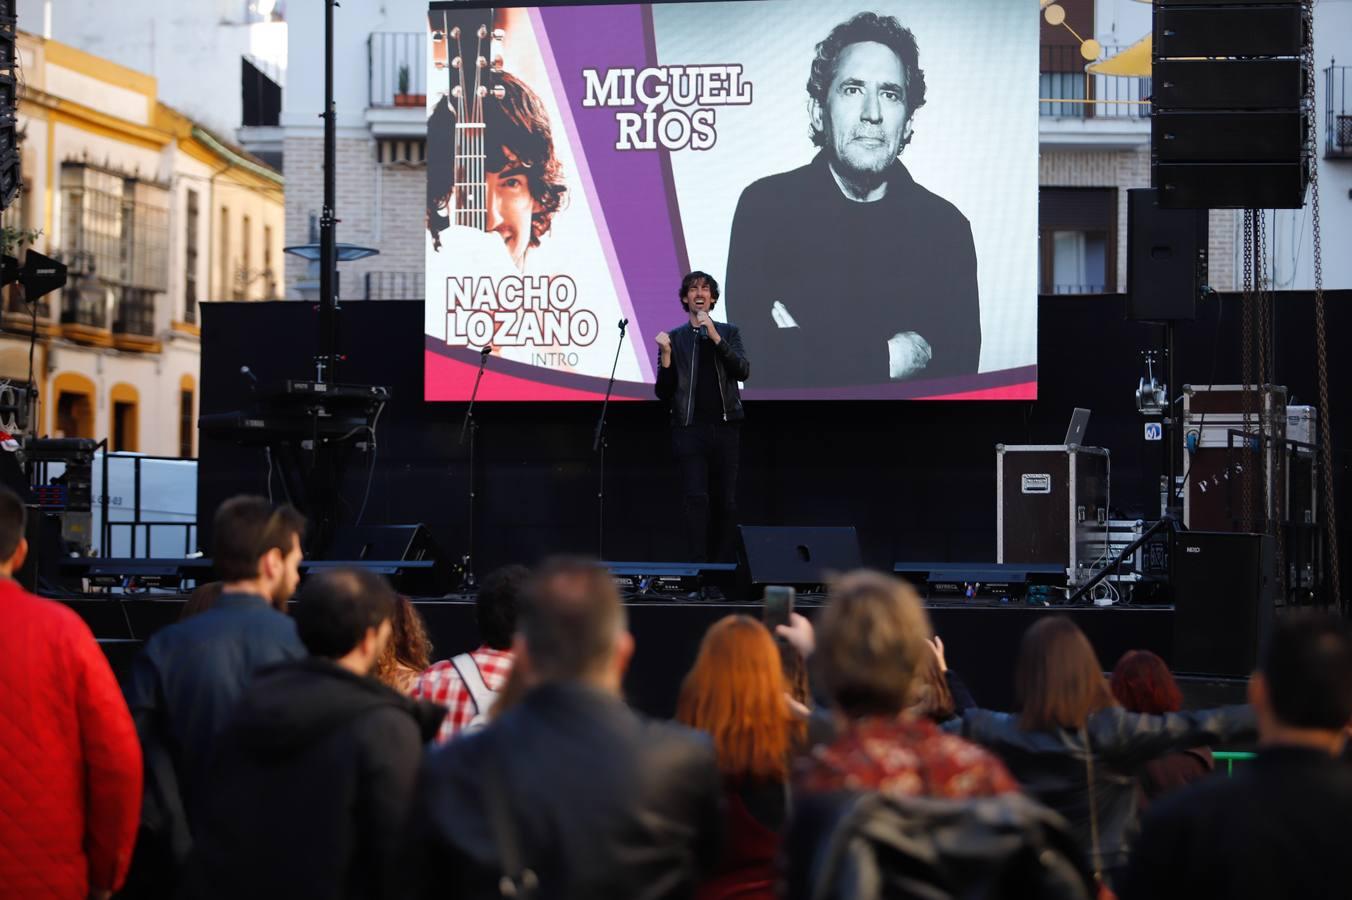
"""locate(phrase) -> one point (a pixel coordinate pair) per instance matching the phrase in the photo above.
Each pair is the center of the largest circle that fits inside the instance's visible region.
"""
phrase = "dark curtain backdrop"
(916, 478)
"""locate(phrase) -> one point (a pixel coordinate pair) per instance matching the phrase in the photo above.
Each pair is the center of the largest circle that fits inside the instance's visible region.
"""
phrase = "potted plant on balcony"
(402, 97)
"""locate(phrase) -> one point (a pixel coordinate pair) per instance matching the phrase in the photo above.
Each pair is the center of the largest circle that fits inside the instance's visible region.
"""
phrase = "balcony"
(1080, 108)
(1338, 112)
(393, 285)
(84, 311)
(397, 69)
(396, 104)
(134, 320)
(1067, 91)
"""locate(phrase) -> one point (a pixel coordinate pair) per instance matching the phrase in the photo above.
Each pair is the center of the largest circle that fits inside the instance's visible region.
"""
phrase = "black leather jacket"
(603, 802)
(676, 383)
(849, 845)
(1051, 764)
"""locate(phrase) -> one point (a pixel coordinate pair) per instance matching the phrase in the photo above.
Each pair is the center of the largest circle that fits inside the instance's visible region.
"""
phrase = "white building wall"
(193, 47)
(377, 206)
(1291, 245)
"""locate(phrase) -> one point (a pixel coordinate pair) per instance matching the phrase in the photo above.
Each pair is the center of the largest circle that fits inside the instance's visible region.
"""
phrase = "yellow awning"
(1133, 62)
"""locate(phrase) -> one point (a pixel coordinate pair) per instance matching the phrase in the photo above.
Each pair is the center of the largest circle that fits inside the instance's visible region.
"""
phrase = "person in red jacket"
(70, 763)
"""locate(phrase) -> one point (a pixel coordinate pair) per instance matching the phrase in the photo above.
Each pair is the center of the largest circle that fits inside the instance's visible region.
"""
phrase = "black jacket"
(1275, 829)
(1051, 764)
(604, 803)
(870, 846)
(311, 786)
(183, 688)
(676, 382)
(851, 276)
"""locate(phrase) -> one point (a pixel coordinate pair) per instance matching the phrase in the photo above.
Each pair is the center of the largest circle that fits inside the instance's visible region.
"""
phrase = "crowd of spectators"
(287, 743)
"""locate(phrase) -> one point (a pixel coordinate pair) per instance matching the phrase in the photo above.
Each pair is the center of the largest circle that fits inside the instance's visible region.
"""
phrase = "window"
(124, 425)
(269, 278)
(224, 264)
(186, 425)
(1077, 240)
(74, 414)
(116, 240)
(246, 272)
(190, 261)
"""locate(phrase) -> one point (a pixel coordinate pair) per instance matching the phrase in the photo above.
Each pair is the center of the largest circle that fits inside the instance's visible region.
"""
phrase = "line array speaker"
(1228, 123)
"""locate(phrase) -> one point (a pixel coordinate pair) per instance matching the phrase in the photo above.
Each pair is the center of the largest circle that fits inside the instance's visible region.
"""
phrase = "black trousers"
(707, 456)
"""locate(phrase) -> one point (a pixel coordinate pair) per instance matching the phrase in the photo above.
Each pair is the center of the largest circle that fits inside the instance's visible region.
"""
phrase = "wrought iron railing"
(85, 303)
(135, 313)
(1337, 112)
(1067, 91)
(394, 285)
(1079, 288)
(396, 69)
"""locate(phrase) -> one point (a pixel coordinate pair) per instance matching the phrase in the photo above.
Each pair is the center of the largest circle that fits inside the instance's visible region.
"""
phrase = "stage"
(981, 640)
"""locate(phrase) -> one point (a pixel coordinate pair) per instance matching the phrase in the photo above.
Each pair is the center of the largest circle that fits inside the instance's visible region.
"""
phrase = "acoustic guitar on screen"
(464, 47)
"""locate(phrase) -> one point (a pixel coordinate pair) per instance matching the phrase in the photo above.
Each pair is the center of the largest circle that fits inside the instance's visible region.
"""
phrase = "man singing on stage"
(701, 362)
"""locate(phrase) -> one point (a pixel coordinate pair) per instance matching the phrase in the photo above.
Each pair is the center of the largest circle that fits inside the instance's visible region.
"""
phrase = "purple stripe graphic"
(629, 183)
(600, 224)
(668, 176)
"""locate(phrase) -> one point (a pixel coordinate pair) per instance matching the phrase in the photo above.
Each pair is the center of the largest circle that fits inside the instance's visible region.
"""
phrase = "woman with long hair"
(408, 651)
(1073, 748)
(1142, 683)
(737, 692)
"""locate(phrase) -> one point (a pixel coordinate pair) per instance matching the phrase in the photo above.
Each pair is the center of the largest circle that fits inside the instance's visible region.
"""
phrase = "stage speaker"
(395, 543)
(1229, 29)
(1223, 137)
(1231, 185)
(1224, 590)
(1167, 258)
(45, 551)
(1227, 120)
(1228, 84)
(797, 556)
(10, 176)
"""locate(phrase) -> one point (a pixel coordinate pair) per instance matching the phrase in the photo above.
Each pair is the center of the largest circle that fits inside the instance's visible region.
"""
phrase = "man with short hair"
(1277, 827)
(188, 677)
(846, 272)
(70, 766)
(468, 702)
(570, 788)
(312, 780)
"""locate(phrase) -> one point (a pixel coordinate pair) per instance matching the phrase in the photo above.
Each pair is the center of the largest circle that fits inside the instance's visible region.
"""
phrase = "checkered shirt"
(441, 683)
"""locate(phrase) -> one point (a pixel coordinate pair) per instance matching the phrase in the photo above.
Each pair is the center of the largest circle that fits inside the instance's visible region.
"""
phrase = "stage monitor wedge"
(798, 556)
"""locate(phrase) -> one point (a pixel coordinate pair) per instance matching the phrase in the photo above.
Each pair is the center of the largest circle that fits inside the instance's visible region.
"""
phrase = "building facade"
(1094, 140)
(1095, 145)
(381, 176)
(153, 214)
(220, 62)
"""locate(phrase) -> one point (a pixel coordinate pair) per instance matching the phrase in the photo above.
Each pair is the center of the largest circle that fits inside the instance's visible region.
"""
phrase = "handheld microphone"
(246, 371)
(488, 348)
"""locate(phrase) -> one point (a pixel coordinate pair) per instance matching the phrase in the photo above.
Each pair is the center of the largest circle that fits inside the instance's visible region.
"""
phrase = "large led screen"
(860, 180)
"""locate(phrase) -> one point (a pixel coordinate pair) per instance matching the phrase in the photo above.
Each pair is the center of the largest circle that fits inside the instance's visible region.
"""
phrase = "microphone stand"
(599, 445)
(471, 427)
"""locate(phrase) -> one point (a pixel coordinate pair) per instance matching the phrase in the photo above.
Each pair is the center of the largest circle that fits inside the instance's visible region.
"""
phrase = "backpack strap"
(473, 679)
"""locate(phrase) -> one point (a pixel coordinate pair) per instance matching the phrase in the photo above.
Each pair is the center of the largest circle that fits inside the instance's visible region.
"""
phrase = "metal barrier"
(106, 542)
